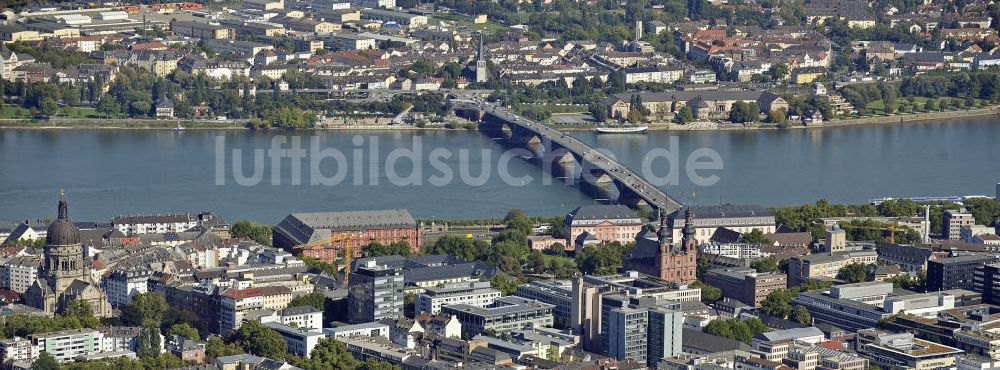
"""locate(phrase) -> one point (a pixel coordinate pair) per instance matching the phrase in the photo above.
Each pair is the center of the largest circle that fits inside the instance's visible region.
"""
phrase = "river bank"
(152, 124)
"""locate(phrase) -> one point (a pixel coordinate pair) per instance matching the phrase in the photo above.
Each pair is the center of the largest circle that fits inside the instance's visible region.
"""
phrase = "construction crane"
(334, 238)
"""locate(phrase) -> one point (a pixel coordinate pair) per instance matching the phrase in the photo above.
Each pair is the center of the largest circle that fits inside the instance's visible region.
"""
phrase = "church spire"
(663, 234)
(63, 209)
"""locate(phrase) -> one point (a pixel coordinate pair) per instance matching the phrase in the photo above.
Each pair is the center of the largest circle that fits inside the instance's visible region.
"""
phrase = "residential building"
(954, 272)
(154, 224)
(506, 314)
(376, 293)
(389, 16)
(954, 220)
(301, 341)
(350, 41)
(200, 30)
(902, 350)
(315, 230)
(234, 304)
(745, 285)
(19, 272)
(368, 329)
(122, 285)
(477, 293)
(305, 317)
(607, 223)
(185, 348)
(70, 345)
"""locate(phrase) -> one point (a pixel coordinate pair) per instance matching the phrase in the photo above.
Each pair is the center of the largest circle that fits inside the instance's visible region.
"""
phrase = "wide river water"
(110, 172)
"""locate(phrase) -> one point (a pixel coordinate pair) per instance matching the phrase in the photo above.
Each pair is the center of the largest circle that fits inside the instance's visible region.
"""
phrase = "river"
(110, 172)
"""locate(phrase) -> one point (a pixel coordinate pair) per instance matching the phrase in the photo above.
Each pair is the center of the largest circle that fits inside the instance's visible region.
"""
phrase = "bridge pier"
(628, 197)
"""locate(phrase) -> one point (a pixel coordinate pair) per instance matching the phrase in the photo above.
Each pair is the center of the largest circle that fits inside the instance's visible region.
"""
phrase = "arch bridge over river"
(562, 153)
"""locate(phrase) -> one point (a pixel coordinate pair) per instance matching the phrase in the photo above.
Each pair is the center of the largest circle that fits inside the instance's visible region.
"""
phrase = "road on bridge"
(619, 172)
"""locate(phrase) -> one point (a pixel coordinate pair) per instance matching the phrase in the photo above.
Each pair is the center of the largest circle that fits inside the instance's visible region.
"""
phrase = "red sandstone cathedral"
(661, 257)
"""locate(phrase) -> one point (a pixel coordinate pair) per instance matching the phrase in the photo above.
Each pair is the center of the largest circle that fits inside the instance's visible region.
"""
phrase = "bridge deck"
(617, 171)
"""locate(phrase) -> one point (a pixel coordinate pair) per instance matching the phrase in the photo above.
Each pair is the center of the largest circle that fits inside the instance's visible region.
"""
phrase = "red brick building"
(661, 257)
(361, 228)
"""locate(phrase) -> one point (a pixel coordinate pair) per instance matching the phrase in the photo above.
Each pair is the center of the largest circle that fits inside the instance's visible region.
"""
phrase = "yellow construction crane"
(334, 238)
(892, 228)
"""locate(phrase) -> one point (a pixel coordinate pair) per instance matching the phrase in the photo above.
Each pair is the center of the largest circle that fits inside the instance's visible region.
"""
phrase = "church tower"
(482, 73)
(63, 251)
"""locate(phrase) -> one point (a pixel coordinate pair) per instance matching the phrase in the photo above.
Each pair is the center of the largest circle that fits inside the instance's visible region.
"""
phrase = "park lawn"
(78, 112)
(13, 111)
(563, 260)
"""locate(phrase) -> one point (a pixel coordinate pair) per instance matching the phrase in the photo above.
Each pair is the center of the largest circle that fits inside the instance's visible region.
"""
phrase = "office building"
(358, 228)
(954, 272)
(376, 293)
(825, 265)
(368, 329)
(954, 220)
(424, 271)
(645, 331)
(745, 285)
(477, 293)
(505, 315)
(862, 305)
(986, 280)
(902, 350)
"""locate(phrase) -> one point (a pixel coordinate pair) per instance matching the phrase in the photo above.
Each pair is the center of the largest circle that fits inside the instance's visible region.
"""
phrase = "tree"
(741, 330)
(778, 302)
(598, 111)
(185, 330)
(328, 354)
(778, 71)
(45, 361)
(317, 300)
(766, 264)
(79, 309)
(709, 293)
(108, 106)
(756, 236)
(148, 343)
(248, 229)
(536, 261)
(684, 115)
(261, 340)
(801, 315)
(146, 310)
(777, 116)
(602, 259)
(505, 285)
(743, 112)
(853, 273)
(215, 348)
(48, 107)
